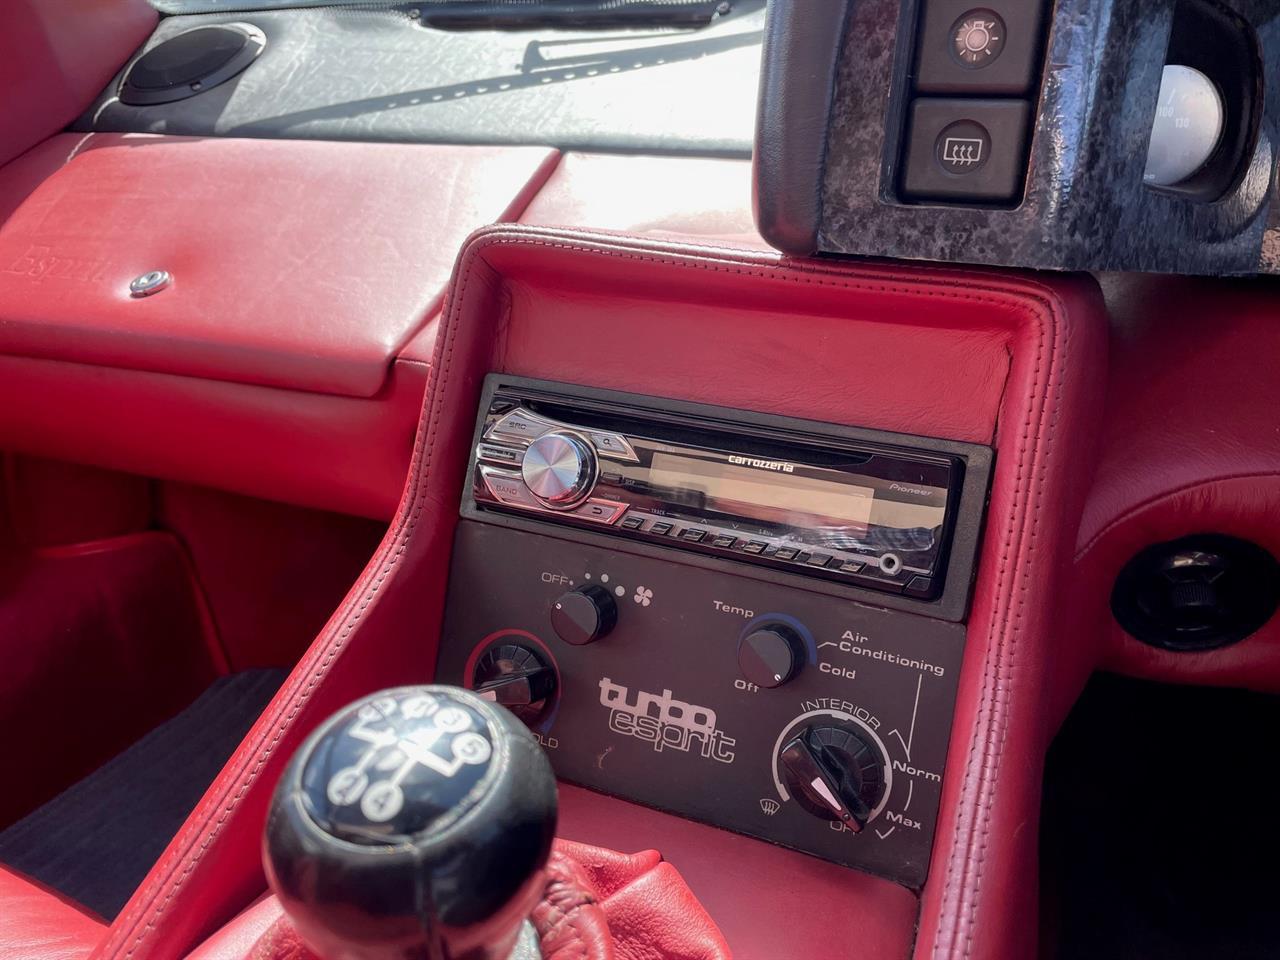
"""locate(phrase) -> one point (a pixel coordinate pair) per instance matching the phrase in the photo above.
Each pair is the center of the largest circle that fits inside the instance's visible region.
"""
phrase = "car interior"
(639, 479)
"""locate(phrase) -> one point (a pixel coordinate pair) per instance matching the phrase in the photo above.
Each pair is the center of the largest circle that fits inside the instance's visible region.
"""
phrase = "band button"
(508, 488)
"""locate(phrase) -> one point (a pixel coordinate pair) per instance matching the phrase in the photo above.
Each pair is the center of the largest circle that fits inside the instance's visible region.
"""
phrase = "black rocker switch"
(966, 150)
(969, 48)
(415, 822)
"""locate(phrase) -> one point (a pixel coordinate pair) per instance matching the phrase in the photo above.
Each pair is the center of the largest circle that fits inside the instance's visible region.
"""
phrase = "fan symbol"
(644, 596)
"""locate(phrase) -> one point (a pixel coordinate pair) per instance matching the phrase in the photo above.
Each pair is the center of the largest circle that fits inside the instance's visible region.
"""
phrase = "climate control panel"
(803, 719)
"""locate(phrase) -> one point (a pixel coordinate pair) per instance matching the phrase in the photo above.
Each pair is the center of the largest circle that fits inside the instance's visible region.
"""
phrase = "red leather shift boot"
(597, 905)
(629, 907)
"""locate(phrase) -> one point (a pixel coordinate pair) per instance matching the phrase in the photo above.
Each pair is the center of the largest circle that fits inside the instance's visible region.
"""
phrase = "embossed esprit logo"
(665, 722)
(41, 263)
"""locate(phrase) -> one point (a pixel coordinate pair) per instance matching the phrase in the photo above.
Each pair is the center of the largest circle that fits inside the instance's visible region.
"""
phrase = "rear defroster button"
(963, 147)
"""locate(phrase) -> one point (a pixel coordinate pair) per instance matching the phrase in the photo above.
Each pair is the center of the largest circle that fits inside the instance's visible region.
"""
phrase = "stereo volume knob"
(584, 614)
(770, 655)
(560, 468)
(835, 773)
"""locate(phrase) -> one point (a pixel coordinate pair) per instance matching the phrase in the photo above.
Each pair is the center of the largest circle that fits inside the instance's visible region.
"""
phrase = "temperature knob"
(770, 655)
(584, 614)
(516, 677)
(834, 772)
(559, 468)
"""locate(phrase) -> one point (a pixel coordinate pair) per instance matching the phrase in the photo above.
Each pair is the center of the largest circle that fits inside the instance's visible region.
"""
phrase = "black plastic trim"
(802, 44)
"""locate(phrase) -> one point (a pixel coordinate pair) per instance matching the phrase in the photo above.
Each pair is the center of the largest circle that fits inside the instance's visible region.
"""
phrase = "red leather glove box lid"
(295, 264)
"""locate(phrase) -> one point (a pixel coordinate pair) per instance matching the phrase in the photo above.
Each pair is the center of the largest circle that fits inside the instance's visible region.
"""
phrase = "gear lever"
(414, 823)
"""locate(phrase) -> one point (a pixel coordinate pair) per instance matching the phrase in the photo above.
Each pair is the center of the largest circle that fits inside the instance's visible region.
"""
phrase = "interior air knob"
(516, 677)
(413, 823)
(770, 655)
(560, 468)
(834, 772)
(584, 614)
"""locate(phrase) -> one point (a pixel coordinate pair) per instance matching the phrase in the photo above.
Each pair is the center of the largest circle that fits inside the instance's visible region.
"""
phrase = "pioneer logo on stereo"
(775, 465)
(914, 491)
(665, 722)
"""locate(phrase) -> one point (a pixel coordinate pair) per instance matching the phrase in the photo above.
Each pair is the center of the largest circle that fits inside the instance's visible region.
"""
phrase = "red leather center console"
(1006, 360)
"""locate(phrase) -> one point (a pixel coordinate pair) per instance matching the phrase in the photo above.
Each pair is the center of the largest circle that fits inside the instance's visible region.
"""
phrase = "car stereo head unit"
(882, 512)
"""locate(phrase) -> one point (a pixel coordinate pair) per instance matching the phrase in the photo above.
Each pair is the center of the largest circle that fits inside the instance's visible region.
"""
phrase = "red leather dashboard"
(301, 320)
(297, 265)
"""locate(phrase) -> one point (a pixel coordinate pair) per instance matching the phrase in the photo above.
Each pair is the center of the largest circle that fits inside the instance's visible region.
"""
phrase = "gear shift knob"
(414, 823)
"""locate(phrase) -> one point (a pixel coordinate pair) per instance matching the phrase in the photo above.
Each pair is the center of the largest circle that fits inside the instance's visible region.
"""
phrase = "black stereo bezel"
(956, 562)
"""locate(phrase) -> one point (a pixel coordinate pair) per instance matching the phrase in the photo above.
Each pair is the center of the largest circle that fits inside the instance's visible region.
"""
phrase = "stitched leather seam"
(561, 917)
(420, 465)
(422, 457)
(978, 790)
(1044, 433)
(1163, 495)
(953, 290)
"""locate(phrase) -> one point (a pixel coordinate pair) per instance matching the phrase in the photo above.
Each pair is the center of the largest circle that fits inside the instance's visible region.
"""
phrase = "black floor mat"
(1159, 836)
(96, 840)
